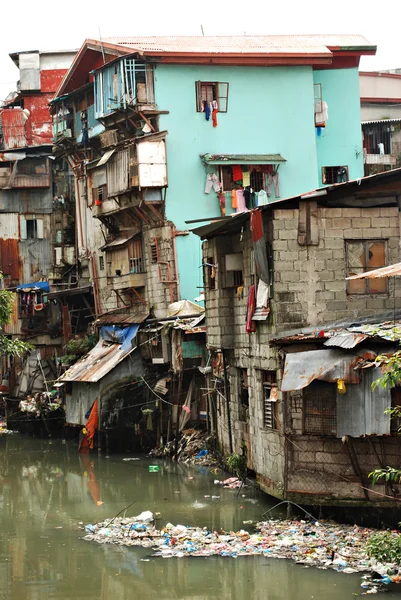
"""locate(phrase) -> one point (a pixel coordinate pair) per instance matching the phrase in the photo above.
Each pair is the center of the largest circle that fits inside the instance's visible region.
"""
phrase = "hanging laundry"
(342, 175)
(381, 149)
(259, 246)
(214, 117)
(222, 201)
(250, 200)
(234, 199)
(237, 173)
(246, 177)
(250, 311)
(262, 198)
(212, 181)
(321, 117)
(273, 179)
(206, 108)
(241, 206)
(262, 295)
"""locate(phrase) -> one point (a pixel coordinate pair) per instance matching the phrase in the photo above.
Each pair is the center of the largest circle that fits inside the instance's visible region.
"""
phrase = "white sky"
(45, 25)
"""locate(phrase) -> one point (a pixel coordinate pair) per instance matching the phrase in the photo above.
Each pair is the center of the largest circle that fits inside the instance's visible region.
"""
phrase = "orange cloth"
(91, 426)
(214, 118)
(234, 199)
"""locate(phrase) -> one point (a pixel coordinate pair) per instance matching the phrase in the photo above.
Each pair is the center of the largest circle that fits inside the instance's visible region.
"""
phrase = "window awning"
(242, 159)
(118, 242)
(106, 157)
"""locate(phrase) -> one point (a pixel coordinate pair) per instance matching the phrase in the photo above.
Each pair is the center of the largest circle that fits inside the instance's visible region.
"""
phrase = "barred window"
(320, 414)
(269, 400)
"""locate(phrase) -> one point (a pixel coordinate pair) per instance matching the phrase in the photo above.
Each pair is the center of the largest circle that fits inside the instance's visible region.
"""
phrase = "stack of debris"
(325, 545)
(192, 448)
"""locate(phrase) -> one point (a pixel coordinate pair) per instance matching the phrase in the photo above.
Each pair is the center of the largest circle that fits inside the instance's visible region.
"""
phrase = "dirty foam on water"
(47, 489)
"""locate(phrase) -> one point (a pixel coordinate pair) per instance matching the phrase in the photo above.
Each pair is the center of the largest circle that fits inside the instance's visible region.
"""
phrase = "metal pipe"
(227, 395)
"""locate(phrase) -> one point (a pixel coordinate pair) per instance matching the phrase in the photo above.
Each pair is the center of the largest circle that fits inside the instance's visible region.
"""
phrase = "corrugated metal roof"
(99, 361)
(390, 271)
(244, 44)
(106, 157)
(381, 121)
(122, 319)
(345, 339)
(388, 330)
(235, 159)
(119, 241)
(85, 289)
(301, 368)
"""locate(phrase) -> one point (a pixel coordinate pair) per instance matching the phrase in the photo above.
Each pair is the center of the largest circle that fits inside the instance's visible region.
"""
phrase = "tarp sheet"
(119, 335)
(38, 285)
(301, 368)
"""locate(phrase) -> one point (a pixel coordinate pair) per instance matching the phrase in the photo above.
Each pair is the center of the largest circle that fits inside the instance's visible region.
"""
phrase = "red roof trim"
(378, 74)
(381, 100)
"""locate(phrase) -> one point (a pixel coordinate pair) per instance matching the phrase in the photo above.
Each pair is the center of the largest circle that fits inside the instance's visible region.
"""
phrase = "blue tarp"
(39, 285)
(119, 335)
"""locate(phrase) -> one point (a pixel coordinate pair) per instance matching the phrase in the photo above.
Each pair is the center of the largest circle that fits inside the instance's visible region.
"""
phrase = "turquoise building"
(275, 115)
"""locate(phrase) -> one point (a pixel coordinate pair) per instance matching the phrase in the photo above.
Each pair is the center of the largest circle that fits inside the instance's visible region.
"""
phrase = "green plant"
(391, 369)
(386, 474)
(385, 547)
(9, 347)
(237, 463)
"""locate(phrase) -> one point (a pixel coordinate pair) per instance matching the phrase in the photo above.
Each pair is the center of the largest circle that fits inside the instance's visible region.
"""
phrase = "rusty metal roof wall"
(122, 319)
(390, 271)
(97, 363)
(245, 44)
(345, 339)
(301, 368)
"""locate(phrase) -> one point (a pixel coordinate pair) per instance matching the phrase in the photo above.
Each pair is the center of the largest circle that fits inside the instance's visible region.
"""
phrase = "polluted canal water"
(47, 491)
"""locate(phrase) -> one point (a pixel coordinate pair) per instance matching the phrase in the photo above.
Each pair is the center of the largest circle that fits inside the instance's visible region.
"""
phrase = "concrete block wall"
(309, 281)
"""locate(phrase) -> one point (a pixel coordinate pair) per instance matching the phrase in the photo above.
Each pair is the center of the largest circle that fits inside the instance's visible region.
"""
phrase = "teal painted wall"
(270, 110)
(340, 142)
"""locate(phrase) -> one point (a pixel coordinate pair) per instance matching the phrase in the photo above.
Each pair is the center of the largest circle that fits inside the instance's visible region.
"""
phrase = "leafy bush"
(385, 547)
(237, 463)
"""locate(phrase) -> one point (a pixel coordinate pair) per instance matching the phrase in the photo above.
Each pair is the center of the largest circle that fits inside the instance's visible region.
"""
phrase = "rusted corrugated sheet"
(301, 368)
(117, 173)
(14, 326)
(9, 260)
(50, 79)
(39, 123)
(390, 271)
(100, 360)
(136, 317)
(346, 340)
(14, 131)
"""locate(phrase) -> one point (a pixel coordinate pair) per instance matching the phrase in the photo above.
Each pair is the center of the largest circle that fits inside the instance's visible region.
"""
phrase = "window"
(209, 91)
(331, 175)
(99, 194)
(257, 178)
(154, 252)
(317, 92)
(320, 414)
(210, 273)
(136, 261)
(232, 270)
(31, 228)
(269, 399)
(243, 396)
(363, 256)
(101, 263)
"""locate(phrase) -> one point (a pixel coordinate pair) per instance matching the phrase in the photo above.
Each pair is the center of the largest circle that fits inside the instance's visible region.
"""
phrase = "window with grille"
(210, 272)
(331, 175)
(243, 395)
(135, 258)
(101, 263)
(269, 400)
(363, 256)
(257, 178)
(212, 91)
(99, 194)
(320, 408)
(231, 270)
(154, 253)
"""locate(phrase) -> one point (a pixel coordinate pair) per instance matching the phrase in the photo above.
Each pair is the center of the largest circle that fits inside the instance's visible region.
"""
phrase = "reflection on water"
(46, 489)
